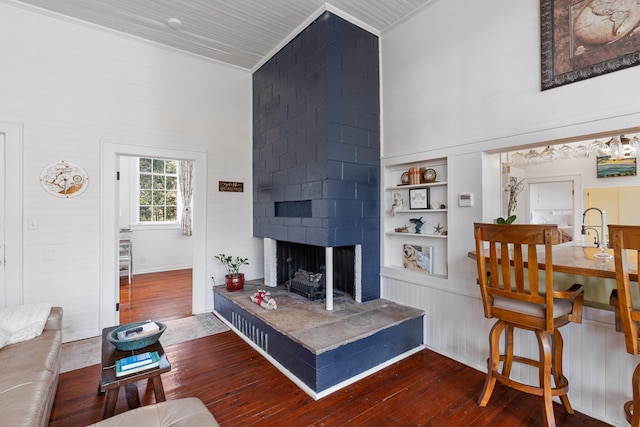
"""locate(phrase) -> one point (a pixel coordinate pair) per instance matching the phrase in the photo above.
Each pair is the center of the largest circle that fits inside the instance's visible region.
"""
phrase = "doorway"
(553, 200)
(151, 242)
(11, 286)
(110, 275)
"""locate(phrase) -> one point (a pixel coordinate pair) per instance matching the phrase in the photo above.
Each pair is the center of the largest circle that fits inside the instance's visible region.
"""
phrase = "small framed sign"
(419, 198)
(230, 187)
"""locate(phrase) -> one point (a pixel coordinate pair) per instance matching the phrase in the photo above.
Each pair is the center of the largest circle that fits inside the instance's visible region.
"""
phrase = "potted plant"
(234, 279)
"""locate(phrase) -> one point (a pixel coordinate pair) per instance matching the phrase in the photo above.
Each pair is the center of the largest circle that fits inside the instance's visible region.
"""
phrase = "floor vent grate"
(250, 330)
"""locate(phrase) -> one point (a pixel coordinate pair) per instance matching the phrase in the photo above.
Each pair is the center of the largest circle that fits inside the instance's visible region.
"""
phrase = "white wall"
(463, 77)
(72, 87)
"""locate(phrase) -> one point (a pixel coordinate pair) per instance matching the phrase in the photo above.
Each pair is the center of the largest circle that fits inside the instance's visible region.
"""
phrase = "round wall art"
(63, 179)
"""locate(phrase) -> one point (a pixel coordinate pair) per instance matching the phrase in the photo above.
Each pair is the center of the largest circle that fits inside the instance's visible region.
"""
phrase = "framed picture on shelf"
(419, 198)
(416, 257)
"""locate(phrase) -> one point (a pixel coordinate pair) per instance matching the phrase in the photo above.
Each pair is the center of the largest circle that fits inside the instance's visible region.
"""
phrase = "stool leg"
(558, 374)
(492, 363)
(544, 373)
(634, 405)
(508, 349)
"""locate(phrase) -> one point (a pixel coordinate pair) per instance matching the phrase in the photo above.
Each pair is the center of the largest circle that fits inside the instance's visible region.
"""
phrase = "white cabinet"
(415, 230)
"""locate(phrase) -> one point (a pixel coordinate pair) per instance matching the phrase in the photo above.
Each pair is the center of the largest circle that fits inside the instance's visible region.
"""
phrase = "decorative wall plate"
(62, 179)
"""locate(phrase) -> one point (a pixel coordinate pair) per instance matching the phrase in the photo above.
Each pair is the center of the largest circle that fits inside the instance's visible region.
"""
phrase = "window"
(157, 190)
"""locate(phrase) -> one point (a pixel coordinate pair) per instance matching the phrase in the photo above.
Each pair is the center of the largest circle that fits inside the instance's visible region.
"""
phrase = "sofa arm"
(55, 319)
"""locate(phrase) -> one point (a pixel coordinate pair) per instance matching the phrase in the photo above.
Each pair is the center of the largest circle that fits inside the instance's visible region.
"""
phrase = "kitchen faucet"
(596, 240)
(603, 227)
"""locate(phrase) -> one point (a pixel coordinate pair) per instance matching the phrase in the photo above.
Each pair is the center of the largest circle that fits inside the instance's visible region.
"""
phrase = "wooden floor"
(159, 296)
(241, 388)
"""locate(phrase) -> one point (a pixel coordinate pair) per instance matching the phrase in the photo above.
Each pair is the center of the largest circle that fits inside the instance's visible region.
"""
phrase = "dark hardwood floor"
(241, 388)
(159, 296)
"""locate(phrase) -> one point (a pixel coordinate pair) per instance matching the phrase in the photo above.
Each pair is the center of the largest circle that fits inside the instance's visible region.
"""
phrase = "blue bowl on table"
(135, 343)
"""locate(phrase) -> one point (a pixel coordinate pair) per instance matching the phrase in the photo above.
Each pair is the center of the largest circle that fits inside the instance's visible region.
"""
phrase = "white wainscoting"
(595, 360)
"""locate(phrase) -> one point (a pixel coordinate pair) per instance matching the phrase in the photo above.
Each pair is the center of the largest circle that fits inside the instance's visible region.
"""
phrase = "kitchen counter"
(575, 263)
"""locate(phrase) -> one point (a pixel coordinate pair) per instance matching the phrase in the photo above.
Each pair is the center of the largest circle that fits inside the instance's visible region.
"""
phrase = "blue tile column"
(316, 133)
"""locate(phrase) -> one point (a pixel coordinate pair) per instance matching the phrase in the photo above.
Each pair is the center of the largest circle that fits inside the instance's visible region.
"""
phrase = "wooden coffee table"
(110, 384)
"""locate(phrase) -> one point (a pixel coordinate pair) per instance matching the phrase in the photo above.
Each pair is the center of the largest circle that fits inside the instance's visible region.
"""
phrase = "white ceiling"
(243, 33)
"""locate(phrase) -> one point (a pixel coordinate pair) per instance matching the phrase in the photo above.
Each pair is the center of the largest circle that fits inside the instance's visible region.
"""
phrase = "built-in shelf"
(427, 245)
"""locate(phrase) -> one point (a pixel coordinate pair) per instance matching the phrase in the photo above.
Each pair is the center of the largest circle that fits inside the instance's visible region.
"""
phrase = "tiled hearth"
(322, 350)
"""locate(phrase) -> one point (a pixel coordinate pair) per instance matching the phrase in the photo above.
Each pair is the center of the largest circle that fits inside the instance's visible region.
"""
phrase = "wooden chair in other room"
(624, 238)
(508, 297)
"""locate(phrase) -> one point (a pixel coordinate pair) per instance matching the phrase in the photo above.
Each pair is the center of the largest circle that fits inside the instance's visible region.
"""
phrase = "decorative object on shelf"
(438, 229)
(404, 178)
(428, 175)
(417, 223)
(608, 167)
(419, 198)
(414, 176)
(233, 279)
(397, 203)
(404, 229)
(62, 179)
(581, 40)
(416, 257)
(438, 205)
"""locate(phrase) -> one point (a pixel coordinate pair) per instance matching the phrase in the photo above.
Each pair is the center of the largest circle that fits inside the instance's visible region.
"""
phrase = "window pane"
(158, 213)
(158, 166)
(172, 183)
(158, 182)
(171, 166)
(145, 165)
(145, 197)
(145, 181)
(158, 198)
(145, 213)
(172, 214)
(172, 198)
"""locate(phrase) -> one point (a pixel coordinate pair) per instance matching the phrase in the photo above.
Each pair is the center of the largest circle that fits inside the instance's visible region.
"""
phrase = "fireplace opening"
(302, 268)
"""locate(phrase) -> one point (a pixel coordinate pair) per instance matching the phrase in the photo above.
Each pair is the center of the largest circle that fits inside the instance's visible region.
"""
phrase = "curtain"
(185, 178)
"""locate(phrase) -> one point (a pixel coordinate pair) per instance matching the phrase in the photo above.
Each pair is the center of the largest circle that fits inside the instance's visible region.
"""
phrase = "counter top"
(576, 259)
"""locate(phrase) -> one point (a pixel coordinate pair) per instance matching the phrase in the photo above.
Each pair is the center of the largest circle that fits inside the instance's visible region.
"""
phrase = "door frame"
(109, 201)
(577, 196)
(13, 294)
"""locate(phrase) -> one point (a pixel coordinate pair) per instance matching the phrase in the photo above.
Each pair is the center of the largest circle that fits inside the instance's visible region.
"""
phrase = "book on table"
(137, 363)
(139, 331)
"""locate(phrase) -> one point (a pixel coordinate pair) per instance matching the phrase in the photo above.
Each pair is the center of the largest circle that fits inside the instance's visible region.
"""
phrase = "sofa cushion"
(24, 321)
(4, 337)
(187, 412)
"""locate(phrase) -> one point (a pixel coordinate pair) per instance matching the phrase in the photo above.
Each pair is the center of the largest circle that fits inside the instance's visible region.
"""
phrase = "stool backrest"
(625, 240)
(512, 248)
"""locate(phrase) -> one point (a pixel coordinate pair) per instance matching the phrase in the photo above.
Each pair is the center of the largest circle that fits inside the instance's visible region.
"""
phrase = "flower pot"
(235, 283)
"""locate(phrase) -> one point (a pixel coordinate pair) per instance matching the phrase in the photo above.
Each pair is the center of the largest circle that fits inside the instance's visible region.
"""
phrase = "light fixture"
(174, 23)
(533, 157)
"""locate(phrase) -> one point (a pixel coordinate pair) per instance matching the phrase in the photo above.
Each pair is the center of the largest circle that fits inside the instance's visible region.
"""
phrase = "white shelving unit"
(431, 242)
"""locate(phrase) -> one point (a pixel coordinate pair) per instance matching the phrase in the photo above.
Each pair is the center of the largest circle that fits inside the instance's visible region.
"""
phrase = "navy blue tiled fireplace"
(316, 167)
(316, 149)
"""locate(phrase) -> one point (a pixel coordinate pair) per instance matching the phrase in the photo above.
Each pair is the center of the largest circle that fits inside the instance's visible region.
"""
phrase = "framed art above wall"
(587, 38)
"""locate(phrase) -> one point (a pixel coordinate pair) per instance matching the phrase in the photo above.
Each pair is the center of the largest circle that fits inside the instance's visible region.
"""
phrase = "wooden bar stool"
(507, 297)
(626, 238)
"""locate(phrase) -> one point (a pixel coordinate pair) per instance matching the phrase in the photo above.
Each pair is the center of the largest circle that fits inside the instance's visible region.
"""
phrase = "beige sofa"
(187, 412)
(29, 376)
